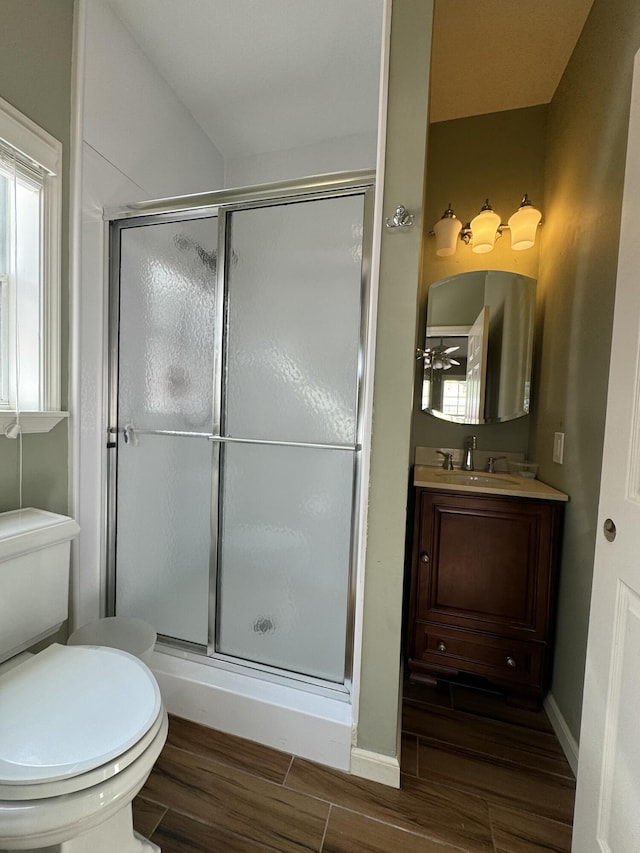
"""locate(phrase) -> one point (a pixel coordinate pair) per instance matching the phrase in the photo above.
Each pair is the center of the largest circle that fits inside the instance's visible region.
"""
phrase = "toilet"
(121, 632)
(81, 726)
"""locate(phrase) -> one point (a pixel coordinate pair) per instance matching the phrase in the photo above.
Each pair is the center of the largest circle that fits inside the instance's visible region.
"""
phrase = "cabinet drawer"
(493, 657)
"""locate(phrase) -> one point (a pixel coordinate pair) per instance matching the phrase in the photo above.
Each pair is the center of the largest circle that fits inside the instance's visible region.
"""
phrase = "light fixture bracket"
(466, 234)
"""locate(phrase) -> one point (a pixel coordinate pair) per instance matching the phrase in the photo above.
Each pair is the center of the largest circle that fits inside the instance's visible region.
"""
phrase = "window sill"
(32, 421)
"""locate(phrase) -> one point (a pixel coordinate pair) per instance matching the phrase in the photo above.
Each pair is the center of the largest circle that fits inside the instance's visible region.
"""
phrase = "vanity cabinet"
(482, 590)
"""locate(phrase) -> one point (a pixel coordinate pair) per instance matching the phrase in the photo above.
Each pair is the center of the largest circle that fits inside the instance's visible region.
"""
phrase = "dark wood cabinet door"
(488, 564)
(483, 576)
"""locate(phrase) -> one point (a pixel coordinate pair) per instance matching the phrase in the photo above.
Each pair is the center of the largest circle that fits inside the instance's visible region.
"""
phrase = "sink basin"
(470, 478)
(481, 482)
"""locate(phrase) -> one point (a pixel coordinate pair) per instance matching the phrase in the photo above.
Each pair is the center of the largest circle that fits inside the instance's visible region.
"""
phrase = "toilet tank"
(34, 576)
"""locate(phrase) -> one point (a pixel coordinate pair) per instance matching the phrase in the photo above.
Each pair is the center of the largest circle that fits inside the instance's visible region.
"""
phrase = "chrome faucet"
(447, 460)
(491, 463)
(470, 444)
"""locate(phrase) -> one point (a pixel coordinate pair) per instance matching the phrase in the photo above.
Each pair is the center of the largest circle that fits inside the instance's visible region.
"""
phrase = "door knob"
(425, 558)
(609, 530)
(511, 662)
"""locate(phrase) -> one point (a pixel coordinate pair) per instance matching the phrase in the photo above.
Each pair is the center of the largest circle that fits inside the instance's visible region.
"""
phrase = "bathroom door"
(477, 368)
(164, 355)
(607, 817)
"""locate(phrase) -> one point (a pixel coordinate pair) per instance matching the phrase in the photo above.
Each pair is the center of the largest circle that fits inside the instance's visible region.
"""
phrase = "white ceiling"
(269, 75)
(266, 75)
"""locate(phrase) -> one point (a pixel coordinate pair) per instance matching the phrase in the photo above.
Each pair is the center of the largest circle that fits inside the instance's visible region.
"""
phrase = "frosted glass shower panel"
(285, 540)
(163, 533)
(167, 324)
(294, 294)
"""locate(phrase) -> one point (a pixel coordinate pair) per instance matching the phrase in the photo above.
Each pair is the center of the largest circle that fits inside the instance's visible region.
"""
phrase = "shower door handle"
(131, 433)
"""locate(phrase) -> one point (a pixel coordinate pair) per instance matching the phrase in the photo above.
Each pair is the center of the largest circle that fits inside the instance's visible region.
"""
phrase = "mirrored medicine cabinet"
(478, 347)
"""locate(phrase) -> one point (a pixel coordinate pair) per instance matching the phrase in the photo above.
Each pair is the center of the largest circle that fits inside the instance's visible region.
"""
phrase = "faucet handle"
(491, 463)
(447, 460)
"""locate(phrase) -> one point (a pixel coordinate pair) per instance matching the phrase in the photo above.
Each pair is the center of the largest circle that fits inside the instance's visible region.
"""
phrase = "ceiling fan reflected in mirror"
(439, 357)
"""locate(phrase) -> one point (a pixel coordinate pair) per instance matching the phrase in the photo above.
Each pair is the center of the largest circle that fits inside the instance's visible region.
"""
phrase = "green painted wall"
(586, 146)
(36, 38)
(393, 387)
(571, 162)
(500, 156)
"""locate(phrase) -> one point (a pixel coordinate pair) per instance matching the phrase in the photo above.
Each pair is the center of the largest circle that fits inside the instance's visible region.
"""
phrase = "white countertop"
(481, 483)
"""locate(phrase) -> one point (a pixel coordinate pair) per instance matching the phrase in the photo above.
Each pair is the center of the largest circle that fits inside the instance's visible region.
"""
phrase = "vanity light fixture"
(446, 230)
(524, 224)
(485, 228)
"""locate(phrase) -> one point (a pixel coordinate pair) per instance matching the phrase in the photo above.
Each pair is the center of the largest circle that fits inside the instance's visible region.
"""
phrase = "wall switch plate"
(558, 447)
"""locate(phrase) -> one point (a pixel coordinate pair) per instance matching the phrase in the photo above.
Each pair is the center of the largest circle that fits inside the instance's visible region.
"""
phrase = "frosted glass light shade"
(446, 231)
(484, 228)
(524, 224)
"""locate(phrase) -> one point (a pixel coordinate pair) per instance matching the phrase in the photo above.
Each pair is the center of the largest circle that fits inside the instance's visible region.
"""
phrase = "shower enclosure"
(237, 324)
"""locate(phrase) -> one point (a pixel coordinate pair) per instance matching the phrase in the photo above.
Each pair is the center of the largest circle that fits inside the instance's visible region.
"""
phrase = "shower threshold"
(308, 720)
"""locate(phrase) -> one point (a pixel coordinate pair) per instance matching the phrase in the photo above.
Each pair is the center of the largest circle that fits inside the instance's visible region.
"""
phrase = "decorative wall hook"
(401, 218)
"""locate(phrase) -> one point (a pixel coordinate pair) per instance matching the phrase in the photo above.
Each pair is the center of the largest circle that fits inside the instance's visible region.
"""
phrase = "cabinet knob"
(511, 662)
(442, 647)
(425, 558)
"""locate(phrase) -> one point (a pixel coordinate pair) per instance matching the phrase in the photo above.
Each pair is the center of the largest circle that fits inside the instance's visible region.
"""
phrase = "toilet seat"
(99, 812)
(73, 716)
(90, 779)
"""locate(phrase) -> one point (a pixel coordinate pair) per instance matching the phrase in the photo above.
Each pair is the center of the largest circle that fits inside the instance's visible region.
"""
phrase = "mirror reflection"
(478, 347)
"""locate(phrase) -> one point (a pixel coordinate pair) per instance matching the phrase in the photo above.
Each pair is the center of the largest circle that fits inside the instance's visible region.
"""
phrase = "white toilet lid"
(70, 709)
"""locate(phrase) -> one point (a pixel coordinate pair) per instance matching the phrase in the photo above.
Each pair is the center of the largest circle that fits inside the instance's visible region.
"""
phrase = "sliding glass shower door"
(293, 334)
(236, 440)
(165, 355)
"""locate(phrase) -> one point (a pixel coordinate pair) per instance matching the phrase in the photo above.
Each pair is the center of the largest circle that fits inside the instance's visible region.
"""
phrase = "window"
(454, 397)
(30, 211)
(453, 393)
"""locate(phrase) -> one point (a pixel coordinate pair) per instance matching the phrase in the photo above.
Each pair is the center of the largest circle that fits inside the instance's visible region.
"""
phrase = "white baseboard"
(567, 741)
(375, 767)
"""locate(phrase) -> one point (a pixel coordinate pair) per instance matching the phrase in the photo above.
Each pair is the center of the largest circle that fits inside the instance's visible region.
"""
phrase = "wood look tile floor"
(477, 775)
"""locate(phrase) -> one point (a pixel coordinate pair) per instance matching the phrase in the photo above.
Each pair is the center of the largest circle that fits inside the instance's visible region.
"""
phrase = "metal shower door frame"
(222, 203)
